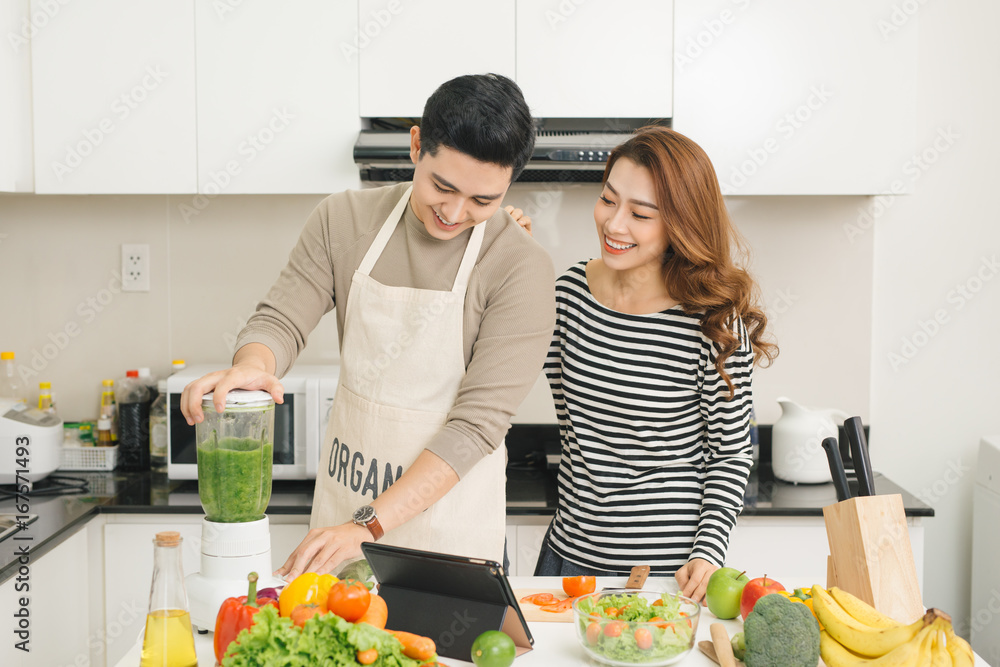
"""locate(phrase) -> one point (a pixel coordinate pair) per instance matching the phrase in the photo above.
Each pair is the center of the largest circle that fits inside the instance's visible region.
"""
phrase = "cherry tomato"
(658, 603)
(614, 628)
(348, 599)
(576, 586)
(611, 612)
(659, 622)
(643, 639)
(593, 633)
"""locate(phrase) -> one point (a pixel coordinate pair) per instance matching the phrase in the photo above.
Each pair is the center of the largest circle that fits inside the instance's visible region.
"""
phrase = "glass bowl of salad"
(628, 627)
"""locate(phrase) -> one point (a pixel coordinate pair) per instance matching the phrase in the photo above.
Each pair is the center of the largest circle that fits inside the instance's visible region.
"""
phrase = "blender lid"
(242, 398)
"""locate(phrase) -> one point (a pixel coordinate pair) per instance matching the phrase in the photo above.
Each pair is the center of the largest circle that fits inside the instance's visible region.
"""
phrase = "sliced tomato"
(540, 598)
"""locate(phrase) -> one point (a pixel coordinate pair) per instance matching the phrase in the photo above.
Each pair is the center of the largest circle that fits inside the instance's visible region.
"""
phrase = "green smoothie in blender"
(240, 470)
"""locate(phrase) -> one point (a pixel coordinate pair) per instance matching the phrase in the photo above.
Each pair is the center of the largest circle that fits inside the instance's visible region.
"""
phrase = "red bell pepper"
(237, 614)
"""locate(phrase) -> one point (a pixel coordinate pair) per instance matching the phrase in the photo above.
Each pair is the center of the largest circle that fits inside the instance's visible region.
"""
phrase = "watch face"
(364, 514)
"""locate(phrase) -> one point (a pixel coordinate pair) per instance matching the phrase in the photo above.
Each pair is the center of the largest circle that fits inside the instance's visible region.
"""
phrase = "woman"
(650, 369)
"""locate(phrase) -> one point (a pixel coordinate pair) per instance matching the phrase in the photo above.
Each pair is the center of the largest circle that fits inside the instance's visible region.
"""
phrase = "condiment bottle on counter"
(45, 403)
(104, 432)
(158, 443)
(10, 385)
(133, 423)
(146, 377)
(178, 365)
(108, 407)
(169, 641)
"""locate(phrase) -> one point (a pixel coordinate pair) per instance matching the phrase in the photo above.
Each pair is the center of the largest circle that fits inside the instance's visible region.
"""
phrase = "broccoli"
(781, 633)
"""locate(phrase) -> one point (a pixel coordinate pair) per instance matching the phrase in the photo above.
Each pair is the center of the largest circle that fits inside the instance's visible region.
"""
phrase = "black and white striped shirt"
(655, 457)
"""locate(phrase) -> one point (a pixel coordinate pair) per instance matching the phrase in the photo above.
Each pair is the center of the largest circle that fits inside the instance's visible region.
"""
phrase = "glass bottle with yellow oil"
(169, 641)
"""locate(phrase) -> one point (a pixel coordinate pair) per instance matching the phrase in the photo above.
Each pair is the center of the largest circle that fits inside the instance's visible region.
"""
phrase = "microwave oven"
(299, 423)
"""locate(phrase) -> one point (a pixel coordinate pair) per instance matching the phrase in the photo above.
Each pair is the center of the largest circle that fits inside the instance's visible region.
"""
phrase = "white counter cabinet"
(17, 158)
(59, 592)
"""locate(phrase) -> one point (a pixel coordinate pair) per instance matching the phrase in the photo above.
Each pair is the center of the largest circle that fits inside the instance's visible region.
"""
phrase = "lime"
(493, 649)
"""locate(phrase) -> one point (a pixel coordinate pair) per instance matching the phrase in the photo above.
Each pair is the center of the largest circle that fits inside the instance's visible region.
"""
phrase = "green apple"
(725, 587)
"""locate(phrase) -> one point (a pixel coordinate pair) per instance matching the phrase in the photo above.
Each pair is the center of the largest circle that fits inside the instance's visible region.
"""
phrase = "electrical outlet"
(135, 267)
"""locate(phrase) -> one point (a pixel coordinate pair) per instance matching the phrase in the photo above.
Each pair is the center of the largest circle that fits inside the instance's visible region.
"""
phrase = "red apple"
(754, 590)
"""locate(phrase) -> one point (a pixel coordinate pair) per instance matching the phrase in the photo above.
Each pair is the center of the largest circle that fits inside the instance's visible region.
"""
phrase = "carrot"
(377, 613)
(415, 646)
(367, 657)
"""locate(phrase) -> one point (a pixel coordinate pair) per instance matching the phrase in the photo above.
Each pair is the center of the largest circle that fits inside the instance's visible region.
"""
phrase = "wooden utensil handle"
(723, 648)
(638, 577)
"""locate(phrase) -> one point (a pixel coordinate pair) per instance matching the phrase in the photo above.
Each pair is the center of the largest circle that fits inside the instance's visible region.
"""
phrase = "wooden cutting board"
(533, 613)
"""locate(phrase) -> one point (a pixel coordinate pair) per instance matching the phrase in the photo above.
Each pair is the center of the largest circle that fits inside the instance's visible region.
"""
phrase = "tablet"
(451, 599)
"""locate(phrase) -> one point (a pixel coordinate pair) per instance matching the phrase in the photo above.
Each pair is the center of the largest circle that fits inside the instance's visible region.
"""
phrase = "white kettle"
(797, 453)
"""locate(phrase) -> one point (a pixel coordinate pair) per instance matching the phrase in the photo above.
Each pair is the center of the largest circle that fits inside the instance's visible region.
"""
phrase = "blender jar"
(235, 455)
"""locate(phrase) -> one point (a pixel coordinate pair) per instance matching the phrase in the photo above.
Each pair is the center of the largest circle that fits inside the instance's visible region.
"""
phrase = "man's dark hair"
(482, 115)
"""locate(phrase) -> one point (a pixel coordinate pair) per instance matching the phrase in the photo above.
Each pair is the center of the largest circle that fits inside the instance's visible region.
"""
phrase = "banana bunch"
(856, 634)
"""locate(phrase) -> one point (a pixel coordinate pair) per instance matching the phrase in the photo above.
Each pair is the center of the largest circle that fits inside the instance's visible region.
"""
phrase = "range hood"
(560, 156)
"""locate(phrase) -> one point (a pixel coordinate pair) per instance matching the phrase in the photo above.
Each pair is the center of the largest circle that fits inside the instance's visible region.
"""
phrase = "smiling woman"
(650, 368)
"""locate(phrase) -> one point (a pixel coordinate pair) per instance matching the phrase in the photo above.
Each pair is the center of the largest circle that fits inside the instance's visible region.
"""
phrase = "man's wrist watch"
(366, 516)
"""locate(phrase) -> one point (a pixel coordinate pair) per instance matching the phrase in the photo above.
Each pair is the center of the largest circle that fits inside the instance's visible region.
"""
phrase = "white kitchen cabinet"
(798, 98)
(58, 603)
(406, 50)
(128, 563)
(16, 158)
(596, 59)
(277, 97)
(114, 97)
(526, 543)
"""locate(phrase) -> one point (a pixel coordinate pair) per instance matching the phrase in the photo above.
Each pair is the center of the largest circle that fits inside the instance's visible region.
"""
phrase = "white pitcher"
(797, 453)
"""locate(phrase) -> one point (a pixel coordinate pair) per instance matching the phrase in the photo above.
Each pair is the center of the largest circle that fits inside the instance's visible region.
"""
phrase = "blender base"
(224, 569)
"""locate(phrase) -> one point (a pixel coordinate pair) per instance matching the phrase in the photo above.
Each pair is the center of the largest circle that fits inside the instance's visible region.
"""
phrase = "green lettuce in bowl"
(625, 627)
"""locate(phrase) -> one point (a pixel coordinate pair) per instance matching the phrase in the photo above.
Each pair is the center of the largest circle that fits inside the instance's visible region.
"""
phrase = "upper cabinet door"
(406, 50)
(16, 165)
(277, 96)
(791, 97)
(114, 97)
(596, 59)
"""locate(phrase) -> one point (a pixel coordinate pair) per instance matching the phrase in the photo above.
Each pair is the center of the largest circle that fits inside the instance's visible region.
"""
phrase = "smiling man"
(445, 309)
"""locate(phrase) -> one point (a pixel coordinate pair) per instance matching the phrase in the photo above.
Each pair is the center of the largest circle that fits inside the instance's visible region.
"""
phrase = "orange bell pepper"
(307, 588)
(237, 614)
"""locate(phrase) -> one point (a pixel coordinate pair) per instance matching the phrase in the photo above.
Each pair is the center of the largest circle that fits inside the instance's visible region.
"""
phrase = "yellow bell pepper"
(307, 588)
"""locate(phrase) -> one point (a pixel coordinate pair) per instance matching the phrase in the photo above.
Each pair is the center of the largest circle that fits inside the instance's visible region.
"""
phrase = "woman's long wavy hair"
(698, 266)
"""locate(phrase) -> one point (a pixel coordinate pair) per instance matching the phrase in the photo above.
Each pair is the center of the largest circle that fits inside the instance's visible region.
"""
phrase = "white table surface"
(556, 644)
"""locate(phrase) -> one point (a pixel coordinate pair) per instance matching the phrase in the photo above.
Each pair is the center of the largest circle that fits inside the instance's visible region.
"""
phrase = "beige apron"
(402, 363)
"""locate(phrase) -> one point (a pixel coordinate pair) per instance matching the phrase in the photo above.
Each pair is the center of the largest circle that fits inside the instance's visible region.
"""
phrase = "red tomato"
(659, 622)
(614, 628)
(303, 613)
(593, 633)
(611, 611)
(348, 599)
(643, 639)
(576, 586)
(540, 598)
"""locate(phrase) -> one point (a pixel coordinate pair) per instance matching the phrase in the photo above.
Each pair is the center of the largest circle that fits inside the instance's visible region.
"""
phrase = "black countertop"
(531, 490)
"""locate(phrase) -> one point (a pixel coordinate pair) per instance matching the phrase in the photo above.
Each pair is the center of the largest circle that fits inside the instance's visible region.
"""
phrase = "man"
(445, 310)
